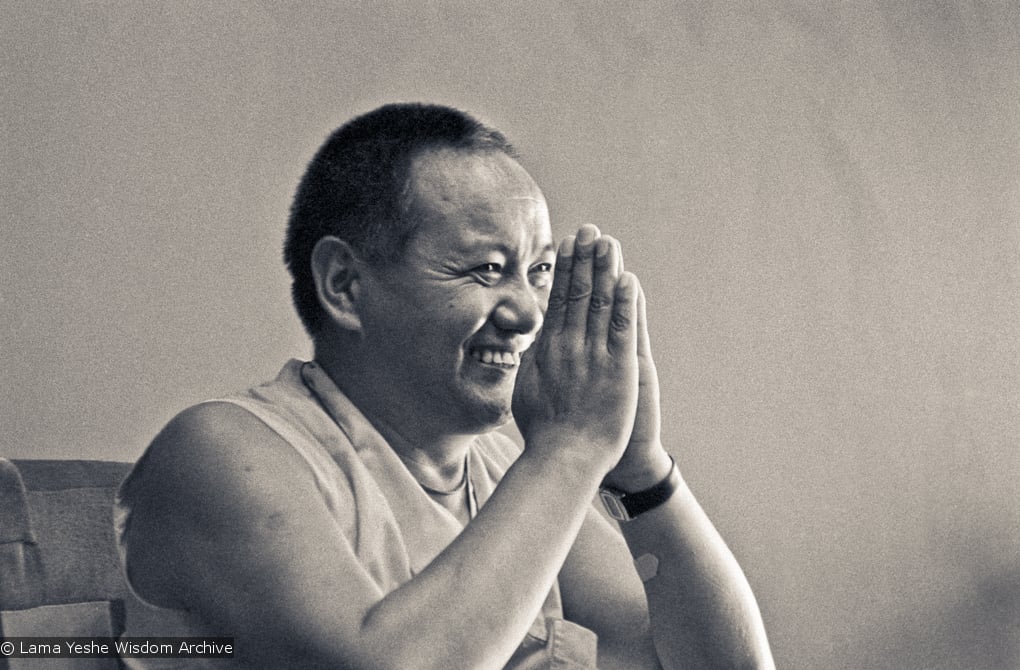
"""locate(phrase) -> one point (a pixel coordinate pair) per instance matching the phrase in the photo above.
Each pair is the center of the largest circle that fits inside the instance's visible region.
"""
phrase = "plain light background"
(822, 200)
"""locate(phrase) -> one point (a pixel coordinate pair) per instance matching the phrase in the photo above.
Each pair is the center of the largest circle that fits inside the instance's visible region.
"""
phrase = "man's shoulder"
(221, 421)
(208, 437)
(210, 478)
(223, 424)
(207, 445)
(212, 451)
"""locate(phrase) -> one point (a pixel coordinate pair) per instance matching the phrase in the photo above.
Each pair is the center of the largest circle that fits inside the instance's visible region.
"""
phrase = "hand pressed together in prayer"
(591, 369)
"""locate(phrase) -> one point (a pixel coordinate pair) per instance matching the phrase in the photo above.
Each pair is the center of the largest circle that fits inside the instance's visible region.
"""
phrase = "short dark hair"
(357, 188)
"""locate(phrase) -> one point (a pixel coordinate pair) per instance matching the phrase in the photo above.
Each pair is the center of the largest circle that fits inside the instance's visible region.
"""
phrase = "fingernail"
(567, 246)
(602, 247)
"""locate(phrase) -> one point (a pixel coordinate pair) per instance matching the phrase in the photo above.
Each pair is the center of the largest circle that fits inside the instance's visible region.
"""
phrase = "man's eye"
(488, 270)
(541, 275)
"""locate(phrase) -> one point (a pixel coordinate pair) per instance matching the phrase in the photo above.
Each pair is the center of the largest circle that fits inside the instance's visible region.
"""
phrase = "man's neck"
(434, 456)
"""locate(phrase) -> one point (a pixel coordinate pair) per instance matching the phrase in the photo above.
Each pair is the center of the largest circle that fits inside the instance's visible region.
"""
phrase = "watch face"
(626, 506)
(614, 506)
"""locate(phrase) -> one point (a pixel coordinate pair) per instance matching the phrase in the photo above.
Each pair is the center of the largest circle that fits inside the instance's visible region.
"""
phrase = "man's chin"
(484, 414)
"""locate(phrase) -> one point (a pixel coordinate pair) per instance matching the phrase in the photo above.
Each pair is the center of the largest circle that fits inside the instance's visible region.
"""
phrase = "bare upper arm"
(226, 522)
(602, 591)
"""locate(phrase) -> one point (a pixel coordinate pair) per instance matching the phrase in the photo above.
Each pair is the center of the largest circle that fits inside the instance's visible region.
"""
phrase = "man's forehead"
(523, 225)
(531, 234)
(467, 200)
(453, 174)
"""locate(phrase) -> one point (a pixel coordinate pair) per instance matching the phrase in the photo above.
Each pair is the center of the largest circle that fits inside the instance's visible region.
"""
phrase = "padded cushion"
(70, 512)
(49, 475)
(74, 529)
(86, 619)
(21, 577)
(14, 524)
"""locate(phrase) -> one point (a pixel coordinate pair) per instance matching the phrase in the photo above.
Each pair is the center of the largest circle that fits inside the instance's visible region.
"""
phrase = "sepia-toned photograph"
(545, 334)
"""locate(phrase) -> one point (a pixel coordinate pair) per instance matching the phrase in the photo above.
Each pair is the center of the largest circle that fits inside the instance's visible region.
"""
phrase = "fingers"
(555, 314)
(588, 267)
(644, 345)
(580, 291)
(605, 275)
(622, 340)
(584, 373)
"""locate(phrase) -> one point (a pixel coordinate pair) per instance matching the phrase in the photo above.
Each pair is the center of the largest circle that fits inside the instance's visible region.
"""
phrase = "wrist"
(628, 505)
(639, 474)
(568, 455)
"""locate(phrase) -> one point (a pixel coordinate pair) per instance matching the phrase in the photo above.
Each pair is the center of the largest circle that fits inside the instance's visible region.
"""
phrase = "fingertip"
(609, 252)
(587, 234)
(566, 249)
(627, 292)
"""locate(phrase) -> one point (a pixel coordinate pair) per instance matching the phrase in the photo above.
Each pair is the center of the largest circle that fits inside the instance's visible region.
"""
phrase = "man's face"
(446, 325)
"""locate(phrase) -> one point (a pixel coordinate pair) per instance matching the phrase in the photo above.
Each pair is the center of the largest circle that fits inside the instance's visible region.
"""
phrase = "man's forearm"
(702, 610)
(498, 572)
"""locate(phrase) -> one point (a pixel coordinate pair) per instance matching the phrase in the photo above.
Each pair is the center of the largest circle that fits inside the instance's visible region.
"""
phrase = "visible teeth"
(496, 356)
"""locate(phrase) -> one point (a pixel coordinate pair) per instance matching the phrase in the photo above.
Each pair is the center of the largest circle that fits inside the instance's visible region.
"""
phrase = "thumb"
(527, 380)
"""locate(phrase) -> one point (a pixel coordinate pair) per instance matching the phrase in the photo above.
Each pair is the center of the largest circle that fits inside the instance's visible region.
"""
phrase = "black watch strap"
(624, 506)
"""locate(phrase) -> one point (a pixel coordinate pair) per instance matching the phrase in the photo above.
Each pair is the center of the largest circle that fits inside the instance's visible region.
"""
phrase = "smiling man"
(359, 511)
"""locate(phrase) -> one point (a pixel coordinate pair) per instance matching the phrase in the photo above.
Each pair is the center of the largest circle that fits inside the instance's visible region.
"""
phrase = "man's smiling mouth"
(499, 357)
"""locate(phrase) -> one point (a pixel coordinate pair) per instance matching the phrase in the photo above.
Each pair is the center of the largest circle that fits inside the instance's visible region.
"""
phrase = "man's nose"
(520, 309)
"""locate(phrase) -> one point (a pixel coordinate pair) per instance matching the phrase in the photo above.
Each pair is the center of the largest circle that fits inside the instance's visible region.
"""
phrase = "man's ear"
(337, 282)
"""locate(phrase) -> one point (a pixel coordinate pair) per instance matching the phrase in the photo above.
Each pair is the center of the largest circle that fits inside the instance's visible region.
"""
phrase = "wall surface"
(822, 200)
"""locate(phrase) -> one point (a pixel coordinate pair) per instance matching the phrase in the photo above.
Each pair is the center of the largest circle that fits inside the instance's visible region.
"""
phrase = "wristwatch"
(624, 506)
